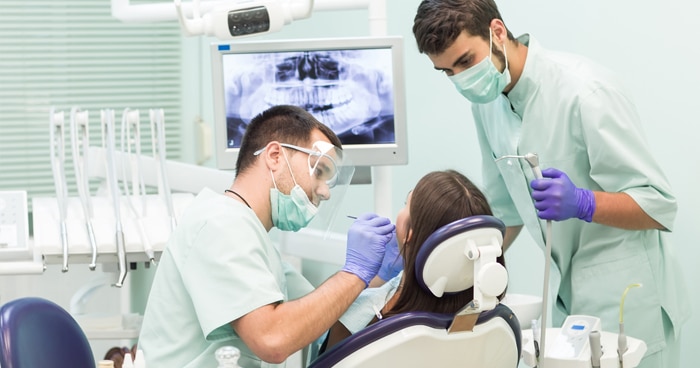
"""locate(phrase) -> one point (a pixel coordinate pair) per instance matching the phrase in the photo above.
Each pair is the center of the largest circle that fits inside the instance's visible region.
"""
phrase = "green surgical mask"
(482, 83)
(293, 211)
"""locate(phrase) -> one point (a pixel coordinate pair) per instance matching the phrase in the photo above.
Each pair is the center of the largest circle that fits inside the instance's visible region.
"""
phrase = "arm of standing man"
(275, 331)
(620, 210)
(631, 191)
(557, 198)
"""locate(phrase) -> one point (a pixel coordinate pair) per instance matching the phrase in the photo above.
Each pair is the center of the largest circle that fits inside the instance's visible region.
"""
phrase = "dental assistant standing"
(611, 203)
(221, 281)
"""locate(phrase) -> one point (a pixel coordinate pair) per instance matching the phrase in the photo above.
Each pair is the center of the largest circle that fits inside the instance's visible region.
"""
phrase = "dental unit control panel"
(572, 340)
(580, 343)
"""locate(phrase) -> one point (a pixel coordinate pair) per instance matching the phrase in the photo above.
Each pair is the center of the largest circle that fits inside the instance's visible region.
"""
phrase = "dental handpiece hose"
(58, 151)
(80, 141)
(108, 142)
(534, 162)
(121, 255)
(64, 242)
(545, 283)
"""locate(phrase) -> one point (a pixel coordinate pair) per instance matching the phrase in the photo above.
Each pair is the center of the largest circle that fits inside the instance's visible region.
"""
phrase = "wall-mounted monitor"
(353, 85)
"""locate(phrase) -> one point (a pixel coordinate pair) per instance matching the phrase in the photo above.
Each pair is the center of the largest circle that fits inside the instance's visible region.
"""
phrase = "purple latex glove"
(393, 262)
(367, 239)
(557, 198)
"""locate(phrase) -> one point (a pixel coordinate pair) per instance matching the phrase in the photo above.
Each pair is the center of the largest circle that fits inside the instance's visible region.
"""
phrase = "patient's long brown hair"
(438, 199)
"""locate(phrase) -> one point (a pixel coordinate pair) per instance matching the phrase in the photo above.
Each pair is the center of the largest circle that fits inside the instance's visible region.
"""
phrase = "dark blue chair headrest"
(36, 332)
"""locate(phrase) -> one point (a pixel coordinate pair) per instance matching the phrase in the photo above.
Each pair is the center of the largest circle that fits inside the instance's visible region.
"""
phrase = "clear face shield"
(330, 174)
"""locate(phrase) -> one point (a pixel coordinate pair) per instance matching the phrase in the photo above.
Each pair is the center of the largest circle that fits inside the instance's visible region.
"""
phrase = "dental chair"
(484, 333)
(36, 332)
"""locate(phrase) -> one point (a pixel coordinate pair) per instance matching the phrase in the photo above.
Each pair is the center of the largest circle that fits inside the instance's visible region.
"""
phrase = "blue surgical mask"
(482, 83)
(293, 211)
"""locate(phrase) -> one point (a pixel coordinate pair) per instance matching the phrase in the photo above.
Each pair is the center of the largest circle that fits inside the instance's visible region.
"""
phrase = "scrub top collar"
(527, 85)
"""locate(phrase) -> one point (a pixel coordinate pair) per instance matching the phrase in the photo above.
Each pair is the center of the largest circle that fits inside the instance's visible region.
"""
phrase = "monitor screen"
(352, 85)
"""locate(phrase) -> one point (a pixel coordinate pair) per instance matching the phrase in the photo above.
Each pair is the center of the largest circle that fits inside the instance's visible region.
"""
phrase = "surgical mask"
(482, 83)
(293, 211)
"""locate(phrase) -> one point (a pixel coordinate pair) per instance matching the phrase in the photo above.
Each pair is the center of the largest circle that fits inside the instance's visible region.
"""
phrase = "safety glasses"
(322, 160)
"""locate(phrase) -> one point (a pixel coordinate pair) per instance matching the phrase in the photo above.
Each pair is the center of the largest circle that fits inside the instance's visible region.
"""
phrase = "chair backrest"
(458, 256)
(420, 339)
(38, 333)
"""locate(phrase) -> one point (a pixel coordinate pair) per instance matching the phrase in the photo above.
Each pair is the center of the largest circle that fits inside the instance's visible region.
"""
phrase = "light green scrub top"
(361, 311)
(368, 303)
(218, 265)
(576, 117)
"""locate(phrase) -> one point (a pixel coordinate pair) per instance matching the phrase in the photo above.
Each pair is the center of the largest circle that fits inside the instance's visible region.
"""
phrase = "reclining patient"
(438, 199)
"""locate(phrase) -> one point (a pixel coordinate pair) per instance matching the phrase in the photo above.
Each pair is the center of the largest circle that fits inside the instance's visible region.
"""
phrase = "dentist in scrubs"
(611, 204)
(221, 281)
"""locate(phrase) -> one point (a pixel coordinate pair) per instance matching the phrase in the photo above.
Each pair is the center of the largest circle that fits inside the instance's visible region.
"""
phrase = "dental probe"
(79, 134)
(58, 156)
(533, 160)
(108, 142)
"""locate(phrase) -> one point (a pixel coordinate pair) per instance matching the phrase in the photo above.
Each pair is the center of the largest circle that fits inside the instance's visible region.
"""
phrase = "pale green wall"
(650, 45)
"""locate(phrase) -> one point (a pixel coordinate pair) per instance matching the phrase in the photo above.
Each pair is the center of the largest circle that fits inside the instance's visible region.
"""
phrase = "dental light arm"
(235, 19)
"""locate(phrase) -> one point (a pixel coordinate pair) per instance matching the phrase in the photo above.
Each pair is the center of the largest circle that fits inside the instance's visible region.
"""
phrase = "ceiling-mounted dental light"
(240, 18)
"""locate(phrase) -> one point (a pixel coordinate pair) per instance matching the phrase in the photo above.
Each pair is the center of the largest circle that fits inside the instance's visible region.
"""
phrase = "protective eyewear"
(323, 160)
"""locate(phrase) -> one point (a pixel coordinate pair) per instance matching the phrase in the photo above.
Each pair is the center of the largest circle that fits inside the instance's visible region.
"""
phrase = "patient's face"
(402, 222)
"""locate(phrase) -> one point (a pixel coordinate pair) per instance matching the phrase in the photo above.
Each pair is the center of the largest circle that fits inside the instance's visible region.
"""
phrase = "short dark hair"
(438, 22)
(283, 123)
(439, 198)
